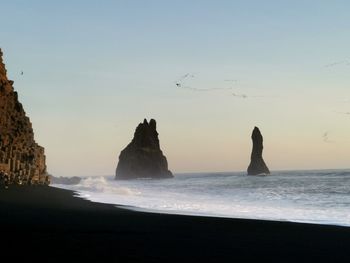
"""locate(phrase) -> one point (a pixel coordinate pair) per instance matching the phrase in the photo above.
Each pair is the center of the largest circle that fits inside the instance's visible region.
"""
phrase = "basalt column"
(22, 160)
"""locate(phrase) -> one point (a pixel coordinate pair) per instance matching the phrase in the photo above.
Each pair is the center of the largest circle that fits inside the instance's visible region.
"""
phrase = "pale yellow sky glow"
(92, 74)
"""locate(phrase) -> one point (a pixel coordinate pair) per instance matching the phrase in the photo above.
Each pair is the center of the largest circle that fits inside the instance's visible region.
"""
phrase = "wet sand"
(51, 225)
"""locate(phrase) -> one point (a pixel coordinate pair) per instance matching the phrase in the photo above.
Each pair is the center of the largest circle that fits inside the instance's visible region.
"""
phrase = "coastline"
(49, 221)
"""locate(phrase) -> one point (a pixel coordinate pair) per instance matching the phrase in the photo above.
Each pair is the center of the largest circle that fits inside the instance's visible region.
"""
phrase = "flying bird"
(179, 83)
(182, 82)
(334, 64)
(345, 113)
(187, 75)
(199, 89)
(325, 138)
(245, 96)
(235, 81)
(242, 96)
(337, 63)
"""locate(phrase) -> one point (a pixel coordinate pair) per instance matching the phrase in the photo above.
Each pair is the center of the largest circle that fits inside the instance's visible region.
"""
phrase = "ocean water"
(321, 197)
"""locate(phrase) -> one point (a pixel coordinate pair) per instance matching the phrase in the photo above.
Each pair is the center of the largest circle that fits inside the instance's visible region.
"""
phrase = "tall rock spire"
(257, 165)
(143, 158)
(21, 158)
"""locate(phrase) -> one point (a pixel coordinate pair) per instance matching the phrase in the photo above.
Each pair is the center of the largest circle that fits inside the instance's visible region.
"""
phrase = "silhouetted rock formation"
(22, 160)
(257, 164)
(142, 158)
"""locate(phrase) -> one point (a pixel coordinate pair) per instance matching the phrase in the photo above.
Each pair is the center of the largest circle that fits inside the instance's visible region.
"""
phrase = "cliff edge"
(22, 160)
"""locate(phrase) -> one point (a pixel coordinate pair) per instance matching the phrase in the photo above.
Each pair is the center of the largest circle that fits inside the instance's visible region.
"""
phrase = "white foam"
(291, 196)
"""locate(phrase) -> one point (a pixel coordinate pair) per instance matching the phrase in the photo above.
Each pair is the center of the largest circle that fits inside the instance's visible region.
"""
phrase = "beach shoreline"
(52, 222)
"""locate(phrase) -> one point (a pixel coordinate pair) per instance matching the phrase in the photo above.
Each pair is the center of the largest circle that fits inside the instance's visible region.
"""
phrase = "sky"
(93, 70)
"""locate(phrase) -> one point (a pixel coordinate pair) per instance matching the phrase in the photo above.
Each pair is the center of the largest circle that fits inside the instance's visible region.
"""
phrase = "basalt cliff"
(257, 165)
(143, 158)
(22, 160)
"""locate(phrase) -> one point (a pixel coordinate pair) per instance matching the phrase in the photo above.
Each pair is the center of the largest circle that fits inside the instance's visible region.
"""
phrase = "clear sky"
(94, 69)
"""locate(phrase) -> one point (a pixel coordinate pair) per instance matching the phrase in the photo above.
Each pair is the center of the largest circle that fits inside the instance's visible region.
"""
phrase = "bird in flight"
(242, 96)
(325, 137)
(183, 80)
(345, 62)
(235, 81)
(245, 96)
(22, 72)
(346, 113)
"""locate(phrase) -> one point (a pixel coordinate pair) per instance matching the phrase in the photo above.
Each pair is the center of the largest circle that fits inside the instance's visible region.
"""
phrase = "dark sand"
(49, 224)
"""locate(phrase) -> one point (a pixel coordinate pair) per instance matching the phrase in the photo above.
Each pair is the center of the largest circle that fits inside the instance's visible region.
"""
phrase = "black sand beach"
(49, 224)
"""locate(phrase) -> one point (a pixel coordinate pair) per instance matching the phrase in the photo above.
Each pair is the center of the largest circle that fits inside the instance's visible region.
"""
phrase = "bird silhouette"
(245, 96)
(345, 113)
(337, 63)
(325, 138)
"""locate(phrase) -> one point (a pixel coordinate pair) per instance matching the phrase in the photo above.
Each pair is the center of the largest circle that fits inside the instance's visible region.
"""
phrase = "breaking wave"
(321, 197)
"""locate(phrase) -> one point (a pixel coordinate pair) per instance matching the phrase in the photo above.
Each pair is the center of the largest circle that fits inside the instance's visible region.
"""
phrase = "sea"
(317, 196)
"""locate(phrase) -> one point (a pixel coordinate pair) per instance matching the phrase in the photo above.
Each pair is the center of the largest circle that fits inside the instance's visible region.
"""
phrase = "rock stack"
(142, 158)
(257, 165)
(22, 160)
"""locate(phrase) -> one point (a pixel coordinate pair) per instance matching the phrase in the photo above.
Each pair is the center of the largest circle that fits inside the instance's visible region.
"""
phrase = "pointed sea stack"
(22, 160)
(142, 158)
(257, 165)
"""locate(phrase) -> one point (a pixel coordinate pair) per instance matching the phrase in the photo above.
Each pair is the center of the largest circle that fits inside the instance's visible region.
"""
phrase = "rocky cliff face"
(257, 165)
(142, 158)
(21, 158)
